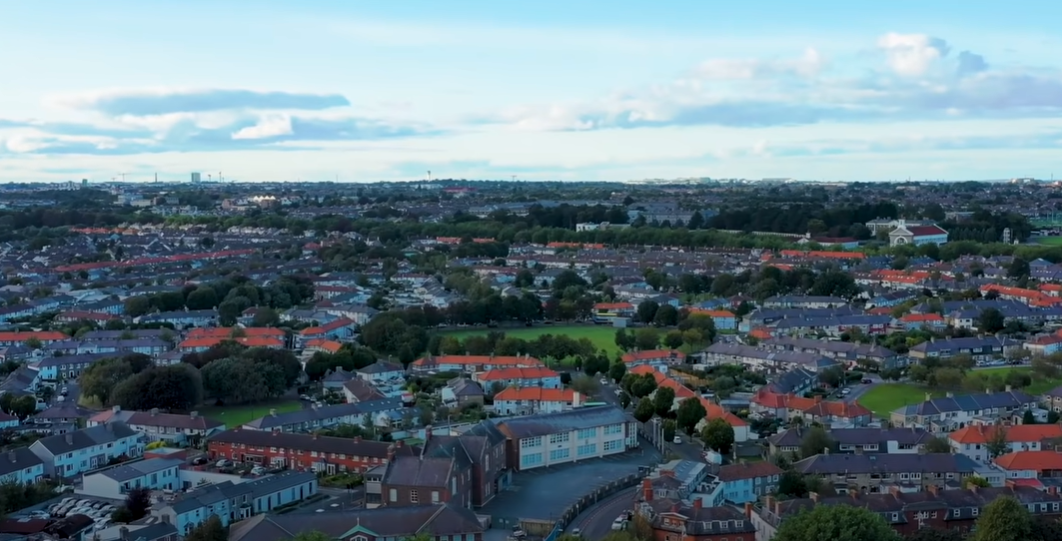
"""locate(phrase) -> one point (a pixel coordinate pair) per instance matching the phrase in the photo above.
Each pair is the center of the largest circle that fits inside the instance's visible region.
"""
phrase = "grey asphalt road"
(596, 522)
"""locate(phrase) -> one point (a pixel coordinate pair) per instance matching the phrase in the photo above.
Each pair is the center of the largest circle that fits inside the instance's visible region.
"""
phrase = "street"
(596, 522)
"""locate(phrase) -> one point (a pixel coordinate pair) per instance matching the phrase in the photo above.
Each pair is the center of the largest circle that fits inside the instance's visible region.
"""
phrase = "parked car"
(200, 460)
(223, 463)
(619, 523)
(677, 439)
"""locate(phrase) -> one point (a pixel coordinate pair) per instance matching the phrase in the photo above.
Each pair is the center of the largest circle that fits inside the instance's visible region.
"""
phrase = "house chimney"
(1052, 490)
(70, 438)
(647, 490)
(929, 397)
(315, 434)
(357, 439)
(399, 444)
(854, 494)
(697, 503)
(748, 510)
(826, 451)
(116, 409)
(154, 411)
(273, 412)
(973, 488)
(932, 489)
(950, 394)
(194, 414)
(1008, 388)
(770, 505)
(390, 453)
(814, 496)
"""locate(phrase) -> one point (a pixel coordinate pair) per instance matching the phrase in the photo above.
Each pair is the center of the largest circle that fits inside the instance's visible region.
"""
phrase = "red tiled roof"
(225, 332)
(536, 393)
(152, 260)
(1030, 460)
(43, 336)
(1017, 433)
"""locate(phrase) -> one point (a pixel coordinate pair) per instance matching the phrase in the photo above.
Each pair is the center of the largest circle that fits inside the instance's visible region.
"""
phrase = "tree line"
(230, 296)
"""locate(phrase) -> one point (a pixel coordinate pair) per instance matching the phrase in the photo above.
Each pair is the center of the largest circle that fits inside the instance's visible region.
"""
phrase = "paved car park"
(545, 493)
(98, 509)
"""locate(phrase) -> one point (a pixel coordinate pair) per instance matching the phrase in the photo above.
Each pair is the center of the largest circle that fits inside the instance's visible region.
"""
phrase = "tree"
(815, 442)
(138, 501)
(647, 339)
(791, 484)
(836, 523)
(1028, 418)
(666, 316)
(690, 413)
(202, 298)
(643, 386)
(718, 435)
(624, 341)
(624, 399)
(832, 376)
(663, 401)
(1018, 268)
(265, 317)
(647, 311)
(991, 321)
(997, 442)
(137, 306)
(176, 387)
(1005, 519)
(210, 530)
(674, 339)
(617, 371)
(644, 411)
(975, 481)
(927, 534)
(938, 446)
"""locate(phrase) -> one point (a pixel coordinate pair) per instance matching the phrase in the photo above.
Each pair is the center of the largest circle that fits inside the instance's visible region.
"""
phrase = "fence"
(589, 500)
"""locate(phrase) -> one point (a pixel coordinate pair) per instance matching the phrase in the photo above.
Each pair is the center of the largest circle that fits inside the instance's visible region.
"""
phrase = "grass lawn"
(234, 416)
(1049, 241)
(885, 398)
(603, 336)
(1039, 385)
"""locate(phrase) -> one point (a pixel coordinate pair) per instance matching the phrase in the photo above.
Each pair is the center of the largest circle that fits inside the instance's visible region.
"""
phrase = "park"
(602, 337)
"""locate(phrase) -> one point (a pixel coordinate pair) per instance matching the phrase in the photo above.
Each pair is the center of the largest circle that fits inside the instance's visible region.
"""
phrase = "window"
(435, 496)
(531, 459)
(559, 438)
(394, 495)
(585, 450)
(414, 497)
(975, 511)
(614, 429)
(612, 445)
(558, 455)
(587, 433)
(531, 442)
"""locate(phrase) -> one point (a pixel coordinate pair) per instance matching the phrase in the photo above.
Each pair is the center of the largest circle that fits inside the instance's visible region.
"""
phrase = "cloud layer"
(912, 77)
(128, 121)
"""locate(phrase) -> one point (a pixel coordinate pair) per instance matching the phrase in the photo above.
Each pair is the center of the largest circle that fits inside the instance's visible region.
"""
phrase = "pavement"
(596, 521)
(545, 493)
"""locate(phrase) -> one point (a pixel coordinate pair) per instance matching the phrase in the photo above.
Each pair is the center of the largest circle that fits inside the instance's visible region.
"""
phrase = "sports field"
(603, 337)
(234, 416)
(1049, 241)
(886, 397)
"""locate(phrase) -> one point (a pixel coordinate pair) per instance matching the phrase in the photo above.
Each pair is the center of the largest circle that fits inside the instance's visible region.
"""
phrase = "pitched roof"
(1030, 460)
(1017, 433)
(536, 393)
(437, 521)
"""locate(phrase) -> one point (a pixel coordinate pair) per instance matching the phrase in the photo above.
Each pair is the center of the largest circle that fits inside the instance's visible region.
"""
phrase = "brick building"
(304, 451)
(676, 520)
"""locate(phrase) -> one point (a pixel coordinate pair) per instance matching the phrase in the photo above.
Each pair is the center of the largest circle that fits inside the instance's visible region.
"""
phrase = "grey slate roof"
(968, 402)
(875, 463)
(18, 459)
(383, 522)
(552, 423)
(856, 436)
(86, 437)
(134, 470)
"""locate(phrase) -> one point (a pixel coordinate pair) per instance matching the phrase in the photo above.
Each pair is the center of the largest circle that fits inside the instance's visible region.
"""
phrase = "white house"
(559, 438)
(115, 483)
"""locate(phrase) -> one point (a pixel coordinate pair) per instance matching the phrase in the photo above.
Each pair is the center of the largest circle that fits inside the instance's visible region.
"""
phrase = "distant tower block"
(197, 178)
(1006, 236)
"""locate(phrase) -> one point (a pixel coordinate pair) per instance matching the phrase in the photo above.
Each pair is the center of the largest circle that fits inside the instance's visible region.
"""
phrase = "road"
(596, 522)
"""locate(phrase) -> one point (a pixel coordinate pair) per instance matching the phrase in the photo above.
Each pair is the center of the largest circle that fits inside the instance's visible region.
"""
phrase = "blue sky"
(615, 90)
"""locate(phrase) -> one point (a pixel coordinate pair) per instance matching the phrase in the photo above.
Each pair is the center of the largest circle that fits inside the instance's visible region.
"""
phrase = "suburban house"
(520, 377)
(153, 474)
(981, 348)
(469, 364)
(875, 472)
(678, 520)
(973, 440)
(954, 412)
(747, 482)
(530, 400)
(73, 453)
(368, 413)
(175, 428)
(656, 357)
(233, 502)
(549, 439)
(1031, 465)
(20, 465)
(857, 440)
(302, 451)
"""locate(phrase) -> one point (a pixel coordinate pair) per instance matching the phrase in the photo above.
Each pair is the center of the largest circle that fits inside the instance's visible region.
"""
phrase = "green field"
(885, 398)
(603, 337)
(234, 416)
(1049, 241)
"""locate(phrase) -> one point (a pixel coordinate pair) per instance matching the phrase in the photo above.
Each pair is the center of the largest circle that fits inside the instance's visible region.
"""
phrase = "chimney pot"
(154, 411)
(748, 510)
(116, 409)
(647, 490)
(814, 496)
(357, 439)
(273, 412)
(70, 438)
(697, 503)
(194, 414)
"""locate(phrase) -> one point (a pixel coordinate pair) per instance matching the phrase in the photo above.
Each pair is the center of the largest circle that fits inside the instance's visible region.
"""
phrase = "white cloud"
(268, 126)
(23, 143)
(912, 54)
(809, 65)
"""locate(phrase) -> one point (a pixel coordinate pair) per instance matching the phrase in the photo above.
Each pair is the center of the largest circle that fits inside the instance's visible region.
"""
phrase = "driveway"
(545, 493)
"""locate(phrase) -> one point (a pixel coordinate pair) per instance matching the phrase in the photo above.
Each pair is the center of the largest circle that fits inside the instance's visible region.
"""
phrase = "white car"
(845, 391)
(619, 523)
(604, 381)
(677, 440)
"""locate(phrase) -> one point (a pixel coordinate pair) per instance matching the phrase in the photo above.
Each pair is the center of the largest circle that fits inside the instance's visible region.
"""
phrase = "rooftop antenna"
(210, 178)
(514, 178)
(123, 176)
(156, 177)
(220, 178)
(429, 175)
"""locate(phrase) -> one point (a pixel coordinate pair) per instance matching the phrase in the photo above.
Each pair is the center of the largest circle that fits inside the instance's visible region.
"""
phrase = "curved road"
(596, 521)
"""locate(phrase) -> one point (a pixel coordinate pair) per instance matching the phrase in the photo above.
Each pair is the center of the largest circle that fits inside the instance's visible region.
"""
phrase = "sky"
(591, 90)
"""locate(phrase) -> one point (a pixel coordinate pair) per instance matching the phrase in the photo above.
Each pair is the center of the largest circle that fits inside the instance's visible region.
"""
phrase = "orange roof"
(537, 372)
(761, 333)
(613, 306)
(536, 393)
(711, 313)
(880, 311)
(1051, 287)
(1033, 297)
(43, 336)
(1030, 460)
(682, 392)
(1015, 434)
(225, 332)
(478, 359)
(920, 318)
(249, 341)
(322, 329)
(330, 346)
